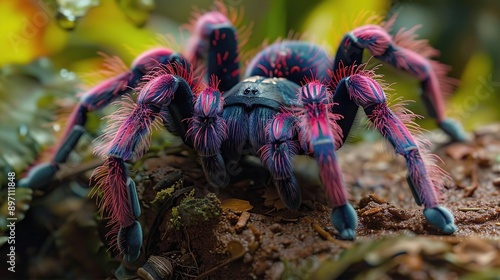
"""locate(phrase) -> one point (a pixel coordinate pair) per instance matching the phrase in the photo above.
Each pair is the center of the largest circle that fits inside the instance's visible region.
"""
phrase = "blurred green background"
(50, 52)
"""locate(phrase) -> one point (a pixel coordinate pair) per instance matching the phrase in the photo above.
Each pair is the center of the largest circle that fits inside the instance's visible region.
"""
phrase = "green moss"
(194, 211)
(165, 194)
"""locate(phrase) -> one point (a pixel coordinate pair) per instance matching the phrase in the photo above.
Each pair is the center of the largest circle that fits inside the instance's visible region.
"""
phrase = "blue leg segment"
(40, 176)
(130, 241)
(345, 220)
(441, 218)
(454, 129)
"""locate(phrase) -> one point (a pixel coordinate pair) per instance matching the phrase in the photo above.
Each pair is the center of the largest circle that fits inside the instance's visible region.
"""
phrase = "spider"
(294, 99)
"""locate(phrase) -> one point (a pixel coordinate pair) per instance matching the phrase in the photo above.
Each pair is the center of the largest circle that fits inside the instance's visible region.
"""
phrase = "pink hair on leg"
(322, 133)
(395, 126)
(111, 179)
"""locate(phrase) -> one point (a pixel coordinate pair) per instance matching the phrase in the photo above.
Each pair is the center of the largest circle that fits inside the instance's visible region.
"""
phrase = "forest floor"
(245, 232)
(255, 237)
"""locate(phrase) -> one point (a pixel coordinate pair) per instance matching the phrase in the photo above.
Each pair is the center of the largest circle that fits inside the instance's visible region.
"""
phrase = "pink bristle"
(111, 180)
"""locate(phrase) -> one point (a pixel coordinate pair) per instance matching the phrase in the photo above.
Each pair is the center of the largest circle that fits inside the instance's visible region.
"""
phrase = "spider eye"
(250, 90)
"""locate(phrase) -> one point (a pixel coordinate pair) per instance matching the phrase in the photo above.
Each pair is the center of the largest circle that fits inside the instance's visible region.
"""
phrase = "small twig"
(474, 180)
(235, 255)
(191, 252)
(372, 211)
(242, 221)
(323, 233)
(466, 209)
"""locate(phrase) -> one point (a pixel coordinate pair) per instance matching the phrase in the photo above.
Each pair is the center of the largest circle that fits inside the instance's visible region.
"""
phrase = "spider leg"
(368, 94)
(214, 39)
(208, 130)
(347, 110)
(321, 134)
(382, 46)
(277, 154)
(127, 138)
(95, 99)
(237, 124)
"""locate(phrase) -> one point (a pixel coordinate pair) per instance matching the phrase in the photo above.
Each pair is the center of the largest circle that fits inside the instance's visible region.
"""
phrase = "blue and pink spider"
(293, 99)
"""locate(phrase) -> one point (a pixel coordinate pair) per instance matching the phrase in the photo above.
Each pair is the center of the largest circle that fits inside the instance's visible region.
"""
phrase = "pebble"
(275, 228)
(496, 182)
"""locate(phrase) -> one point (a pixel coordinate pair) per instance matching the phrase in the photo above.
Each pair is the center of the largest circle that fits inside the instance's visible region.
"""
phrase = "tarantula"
(294, 99)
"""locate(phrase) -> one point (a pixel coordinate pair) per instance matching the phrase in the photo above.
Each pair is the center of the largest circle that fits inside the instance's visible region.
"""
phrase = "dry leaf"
(476, 250)
(458, 151)
(236, 205)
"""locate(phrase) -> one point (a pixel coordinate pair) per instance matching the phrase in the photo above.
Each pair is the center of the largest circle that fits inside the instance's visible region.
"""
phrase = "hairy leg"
(95, 99)
(214, 42)
(431, 74)
(368, 94)
(127, 138)
(208, 130)
(277, 154)
(322, 135)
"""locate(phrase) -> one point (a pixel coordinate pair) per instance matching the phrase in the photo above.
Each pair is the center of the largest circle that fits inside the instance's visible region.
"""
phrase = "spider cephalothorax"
(293, 99)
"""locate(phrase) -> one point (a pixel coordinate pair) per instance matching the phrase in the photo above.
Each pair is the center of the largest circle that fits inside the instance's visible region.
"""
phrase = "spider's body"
(293, 99)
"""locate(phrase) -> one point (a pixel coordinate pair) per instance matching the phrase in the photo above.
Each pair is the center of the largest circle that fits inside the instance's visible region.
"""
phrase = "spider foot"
(345, 220)
(39, 176)
(130, 241)
(440, 218)
(454, 129)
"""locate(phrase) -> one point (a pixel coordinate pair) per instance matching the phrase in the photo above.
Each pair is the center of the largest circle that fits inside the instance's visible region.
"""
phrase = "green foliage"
(476, 100)
(331, 19)
(303, 270)
(29, 96)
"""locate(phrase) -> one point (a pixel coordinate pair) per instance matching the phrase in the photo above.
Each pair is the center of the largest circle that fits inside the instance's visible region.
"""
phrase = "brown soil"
(393, 239)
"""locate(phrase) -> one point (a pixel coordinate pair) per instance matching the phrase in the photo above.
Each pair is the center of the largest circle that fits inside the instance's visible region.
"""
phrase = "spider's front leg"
(96, 99)
(320, 137)
(207, 131)
(127, 138)
(281, 145)
(368, 94)
(431, 74)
